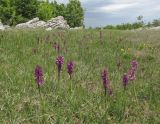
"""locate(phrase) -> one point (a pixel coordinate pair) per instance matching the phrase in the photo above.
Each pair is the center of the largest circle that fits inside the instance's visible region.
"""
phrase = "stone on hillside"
(48, 29)
(34, 20)
(54, 23)
(6, 26)
(1, 26)
(39, 24)
(22, 25)
(57, 23)
(34, 23)
(76, 28)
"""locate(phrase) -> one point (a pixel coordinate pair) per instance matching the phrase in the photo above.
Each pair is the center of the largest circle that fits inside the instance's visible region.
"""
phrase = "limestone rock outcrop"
(34, 23)
(54, 23)
(57, 23)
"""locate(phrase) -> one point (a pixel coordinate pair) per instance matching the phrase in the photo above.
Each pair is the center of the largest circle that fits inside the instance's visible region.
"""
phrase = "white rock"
(2, 27)
(6, 26)
(39, 24)
(34, 20)
(48, 29)
(57, 23)
(22, 25)
(77, 28)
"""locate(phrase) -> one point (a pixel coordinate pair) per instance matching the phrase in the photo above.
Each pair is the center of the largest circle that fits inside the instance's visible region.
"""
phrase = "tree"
(109, 27)
(74, 13)
(139, 18)
(26, 8)
(46, 11)
(60, 9)
(10, 13)
(149, 24)
(156, 22)
(7, 12)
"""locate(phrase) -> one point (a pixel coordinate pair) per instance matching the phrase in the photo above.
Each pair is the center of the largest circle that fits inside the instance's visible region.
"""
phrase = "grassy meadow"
(79, 100)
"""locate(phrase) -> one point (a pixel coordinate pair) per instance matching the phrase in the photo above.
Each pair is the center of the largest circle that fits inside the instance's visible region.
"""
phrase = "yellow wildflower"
(122, 50)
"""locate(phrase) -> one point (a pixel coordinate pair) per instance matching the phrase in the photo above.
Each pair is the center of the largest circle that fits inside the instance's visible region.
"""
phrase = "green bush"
(74, 13)
(45, 11)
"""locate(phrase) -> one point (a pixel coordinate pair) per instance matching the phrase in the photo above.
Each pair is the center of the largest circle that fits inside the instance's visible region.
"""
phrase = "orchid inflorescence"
(70, 66)
(59, 62)
(39, 75)
(131, 74)
(105, 79)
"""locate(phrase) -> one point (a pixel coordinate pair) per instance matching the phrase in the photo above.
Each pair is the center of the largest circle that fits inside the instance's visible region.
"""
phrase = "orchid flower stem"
(135, 94)
(39, 92)
(58, 76)
(71, 86)
(106, 98)
(105, 92)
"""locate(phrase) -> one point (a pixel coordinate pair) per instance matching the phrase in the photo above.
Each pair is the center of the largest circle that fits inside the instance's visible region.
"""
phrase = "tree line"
(13, 12)
(138, 24)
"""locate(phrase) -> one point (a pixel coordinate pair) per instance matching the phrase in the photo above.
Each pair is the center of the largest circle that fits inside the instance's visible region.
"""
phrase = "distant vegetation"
(139, 24)
(13, 12)
(125, 26)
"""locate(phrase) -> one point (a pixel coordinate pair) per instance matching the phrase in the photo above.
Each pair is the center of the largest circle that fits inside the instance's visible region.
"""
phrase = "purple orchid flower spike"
(59, 63)
(105, 79)
(39, 77)
(134, 65)
(132, 71)
(125, 80)
(70, 67)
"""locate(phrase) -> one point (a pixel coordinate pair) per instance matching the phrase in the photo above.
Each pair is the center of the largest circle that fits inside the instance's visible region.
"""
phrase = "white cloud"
(131, 1)
(66, 1)
(115, 7)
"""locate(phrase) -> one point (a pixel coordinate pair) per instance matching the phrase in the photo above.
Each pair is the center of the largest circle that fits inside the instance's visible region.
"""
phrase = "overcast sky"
(104, 12)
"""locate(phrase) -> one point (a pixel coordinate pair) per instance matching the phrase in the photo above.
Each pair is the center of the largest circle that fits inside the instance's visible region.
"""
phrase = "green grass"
(80, 100)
